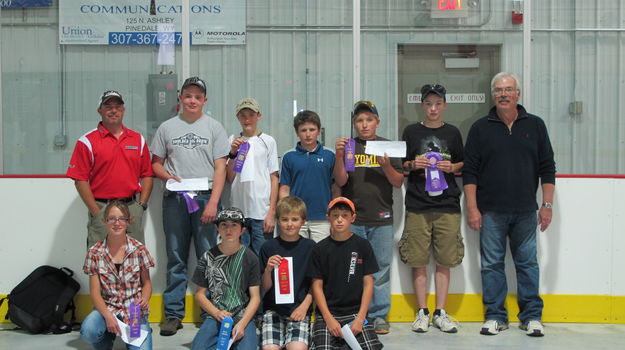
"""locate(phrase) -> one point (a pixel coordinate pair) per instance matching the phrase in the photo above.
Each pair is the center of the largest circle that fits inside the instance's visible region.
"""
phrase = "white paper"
(166, 50)
(396, 149)
(284, 298)
(350, 339)
(126, 334)
(166, 55)
(195, 184)
(232, 338)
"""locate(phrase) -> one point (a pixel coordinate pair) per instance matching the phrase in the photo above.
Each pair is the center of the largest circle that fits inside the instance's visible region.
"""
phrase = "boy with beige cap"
(254, 187)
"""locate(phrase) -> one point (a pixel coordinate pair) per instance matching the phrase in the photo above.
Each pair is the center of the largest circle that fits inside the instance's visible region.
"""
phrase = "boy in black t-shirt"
(342, 268)
(287, 325)
(432, 218)
(227, 278)
(370, 187)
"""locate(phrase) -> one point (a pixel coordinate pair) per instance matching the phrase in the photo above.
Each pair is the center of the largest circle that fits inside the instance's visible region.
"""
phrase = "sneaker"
(380, 326)
(421, 322)
(533, 328)
(493, 327)
(170, 327)
(445, 323)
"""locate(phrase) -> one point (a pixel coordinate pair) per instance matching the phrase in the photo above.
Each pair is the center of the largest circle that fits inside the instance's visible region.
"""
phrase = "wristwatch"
(232, 156)
(547, 205)
(143, 205)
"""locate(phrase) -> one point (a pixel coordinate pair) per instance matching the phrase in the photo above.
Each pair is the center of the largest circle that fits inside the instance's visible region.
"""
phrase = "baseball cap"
(365, 105)
(232, 214)
(338, 200)
(194, 81)
(437, 89)
(249, 103)
(109, 94)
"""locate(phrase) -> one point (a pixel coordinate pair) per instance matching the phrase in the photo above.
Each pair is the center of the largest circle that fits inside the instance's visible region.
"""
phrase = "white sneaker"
(493, 327)
(533, 328)
(421, 322)
(445, 323)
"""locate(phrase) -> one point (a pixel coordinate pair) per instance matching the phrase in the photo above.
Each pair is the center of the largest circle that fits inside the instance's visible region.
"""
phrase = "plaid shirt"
(119, 289)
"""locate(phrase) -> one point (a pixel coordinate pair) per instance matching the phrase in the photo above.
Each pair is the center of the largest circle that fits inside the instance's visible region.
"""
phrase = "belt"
(107, 200)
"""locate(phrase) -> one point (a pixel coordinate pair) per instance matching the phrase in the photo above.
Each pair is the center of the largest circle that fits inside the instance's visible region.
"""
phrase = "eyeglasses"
(121, 219)
(433, 87)
(507, 90)
(110, 107)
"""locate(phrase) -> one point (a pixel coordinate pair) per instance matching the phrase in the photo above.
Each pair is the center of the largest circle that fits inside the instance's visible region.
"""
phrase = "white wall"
(44, 222)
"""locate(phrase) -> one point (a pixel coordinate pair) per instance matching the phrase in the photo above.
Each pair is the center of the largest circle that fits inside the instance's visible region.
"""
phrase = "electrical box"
(162, 100)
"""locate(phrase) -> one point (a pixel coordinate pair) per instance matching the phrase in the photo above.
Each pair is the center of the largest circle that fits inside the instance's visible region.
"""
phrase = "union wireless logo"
(189, 141)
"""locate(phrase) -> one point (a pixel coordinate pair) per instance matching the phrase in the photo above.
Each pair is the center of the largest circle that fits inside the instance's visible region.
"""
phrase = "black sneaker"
(170, 327)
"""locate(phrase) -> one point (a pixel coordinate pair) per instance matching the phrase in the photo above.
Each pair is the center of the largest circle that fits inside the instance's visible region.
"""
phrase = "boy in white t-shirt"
(255, 188)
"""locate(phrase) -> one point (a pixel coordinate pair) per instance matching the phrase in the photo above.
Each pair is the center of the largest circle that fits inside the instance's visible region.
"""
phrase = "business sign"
(7, 4)
(454, 98)
(145, 22)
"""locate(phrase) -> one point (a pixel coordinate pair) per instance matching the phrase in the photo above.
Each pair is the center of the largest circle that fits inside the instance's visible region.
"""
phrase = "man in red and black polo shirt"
(112, 162)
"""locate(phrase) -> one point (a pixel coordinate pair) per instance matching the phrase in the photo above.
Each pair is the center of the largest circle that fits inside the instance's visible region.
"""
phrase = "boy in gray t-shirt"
(189, 145)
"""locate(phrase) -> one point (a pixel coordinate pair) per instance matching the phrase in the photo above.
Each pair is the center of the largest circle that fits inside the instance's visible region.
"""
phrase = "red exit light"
(445, 5)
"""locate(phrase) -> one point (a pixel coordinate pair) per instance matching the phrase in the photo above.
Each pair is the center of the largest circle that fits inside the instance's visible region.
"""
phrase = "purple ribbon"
(192, 205)
(135, 320)
(434, 178)
(350, 155)
(240, 159)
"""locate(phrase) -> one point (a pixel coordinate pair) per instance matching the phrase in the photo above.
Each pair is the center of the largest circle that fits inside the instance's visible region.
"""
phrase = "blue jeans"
(180, 227)
(206, 337)
(381, 239)
(93, 331)
(256, 233)
(520, 229)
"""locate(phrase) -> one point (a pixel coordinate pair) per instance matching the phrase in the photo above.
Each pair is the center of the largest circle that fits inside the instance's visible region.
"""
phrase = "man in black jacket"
(506, 154)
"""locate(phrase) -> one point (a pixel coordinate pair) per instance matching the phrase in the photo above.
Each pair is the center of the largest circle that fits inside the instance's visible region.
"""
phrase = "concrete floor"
(565, 336)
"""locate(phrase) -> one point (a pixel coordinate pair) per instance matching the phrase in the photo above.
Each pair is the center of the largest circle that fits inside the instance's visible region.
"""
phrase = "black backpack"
(38, 304)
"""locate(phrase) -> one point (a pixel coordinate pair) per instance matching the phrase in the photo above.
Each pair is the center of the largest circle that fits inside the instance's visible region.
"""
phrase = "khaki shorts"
(441, 231)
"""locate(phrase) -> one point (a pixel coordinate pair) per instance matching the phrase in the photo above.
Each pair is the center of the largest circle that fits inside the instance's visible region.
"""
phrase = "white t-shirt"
(251, 189)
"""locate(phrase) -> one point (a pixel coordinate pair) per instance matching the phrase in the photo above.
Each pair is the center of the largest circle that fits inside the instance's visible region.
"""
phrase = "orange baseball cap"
(337, 200)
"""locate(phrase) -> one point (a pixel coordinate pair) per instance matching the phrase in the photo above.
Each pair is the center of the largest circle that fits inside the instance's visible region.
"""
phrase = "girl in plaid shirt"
(118, 275)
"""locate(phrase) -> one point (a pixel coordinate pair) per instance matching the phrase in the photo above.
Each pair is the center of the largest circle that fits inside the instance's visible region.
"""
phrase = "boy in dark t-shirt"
(370, 187)
(432, 217)
(342, 268)
(228, 278)
(286, 325)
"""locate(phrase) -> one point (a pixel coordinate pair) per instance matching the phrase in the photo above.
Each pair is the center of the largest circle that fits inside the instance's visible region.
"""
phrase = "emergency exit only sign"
(454, 98)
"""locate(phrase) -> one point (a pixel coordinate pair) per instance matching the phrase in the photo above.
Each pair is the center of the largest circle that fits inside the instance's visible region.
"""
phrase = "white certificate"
(283, 281)
(232, 338)
(396, 149)
(349, 337)
(195, 184)
(126, 334)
